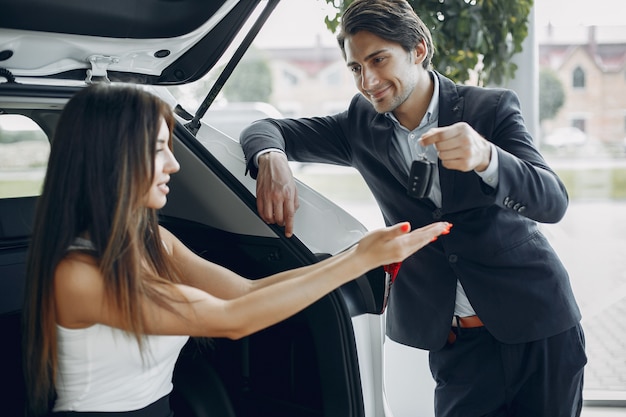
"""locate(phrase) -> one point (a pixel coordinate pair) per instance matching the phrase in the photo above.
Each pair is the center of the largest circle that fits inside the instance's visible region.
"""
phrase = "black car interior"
(304, 366)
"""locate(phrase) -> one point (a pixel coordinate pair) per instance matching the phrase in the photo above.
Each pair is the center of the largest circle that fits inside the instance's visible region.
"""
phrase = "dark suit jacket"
(512, 276)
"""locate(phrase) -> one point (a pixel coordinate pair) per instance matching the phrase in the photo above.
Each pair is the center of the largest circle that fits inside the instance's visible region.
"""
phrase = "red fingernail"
(405, 227)
(447, 229)
(433, 239)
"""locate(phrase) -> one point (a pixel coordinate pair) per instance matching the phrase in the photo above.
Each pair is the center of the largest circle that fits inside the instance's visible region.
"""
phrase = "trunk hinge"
(99, 66)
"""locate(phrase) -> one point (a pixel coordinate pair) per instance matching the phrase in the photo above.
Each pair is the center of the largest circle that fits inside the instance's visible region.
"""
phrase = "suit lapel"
(381, 130)
(450, 104)
(450, 112)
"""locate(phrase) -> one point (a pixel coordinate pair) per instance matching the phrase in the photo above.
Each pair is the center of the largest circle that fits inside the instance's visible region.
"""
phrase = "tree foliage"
(469, 35)
(251, 80)
(551, 94)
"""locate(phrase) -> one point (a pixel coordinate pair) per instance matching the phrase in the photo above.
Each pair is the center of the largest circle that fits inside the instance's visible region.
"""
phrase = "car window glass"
(24, 151)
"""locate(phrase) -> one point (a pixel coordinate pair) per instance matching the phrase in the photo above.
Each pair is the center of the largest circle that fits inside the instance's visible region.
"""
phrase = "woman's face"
(164, 165)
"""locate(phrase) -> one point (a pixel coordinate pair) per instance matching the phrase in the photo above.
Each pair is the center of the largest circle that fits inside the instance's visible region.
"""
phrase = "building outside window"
(578, 78)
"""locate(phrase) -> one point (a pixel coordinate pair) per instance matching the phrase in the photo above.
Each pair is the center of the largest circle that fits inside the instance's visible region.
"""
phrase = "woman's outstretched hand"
(396, 243)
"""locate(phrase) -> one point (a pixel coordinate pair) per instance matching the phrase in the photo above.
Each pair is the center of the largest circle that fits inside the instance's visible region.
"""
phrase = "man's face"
(383, 71)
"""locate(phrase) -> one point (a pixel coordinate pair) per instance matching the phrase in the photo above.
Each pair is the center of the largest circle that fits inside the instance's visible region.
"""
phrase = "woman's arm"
(197, 272)
(217, 280)
(79, 290)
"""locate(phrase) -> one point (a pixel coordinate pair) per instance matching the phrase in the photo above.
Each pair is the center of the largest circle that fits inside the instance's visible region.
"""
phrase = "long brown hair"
(393, 20)
(100, 168)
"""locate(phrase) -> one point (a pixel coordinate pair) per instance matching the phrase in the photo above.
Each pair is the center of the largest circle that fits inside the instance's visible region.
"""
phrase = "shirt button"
(437, 214)
(452, 259)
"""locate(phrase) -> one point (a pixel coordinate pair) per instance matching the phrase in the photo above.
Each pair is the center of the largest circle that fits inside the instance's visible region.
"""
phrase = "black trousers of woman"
(159, 408)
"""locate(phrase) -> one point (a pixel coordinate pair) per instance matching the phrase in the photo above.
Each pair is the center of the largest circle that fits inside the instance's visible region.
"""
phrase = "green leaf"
(491, 29)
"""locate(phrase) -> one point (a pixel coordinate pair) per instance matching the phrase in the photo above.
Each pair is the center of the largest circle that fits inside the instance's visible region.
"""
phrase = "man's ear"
(420, 52)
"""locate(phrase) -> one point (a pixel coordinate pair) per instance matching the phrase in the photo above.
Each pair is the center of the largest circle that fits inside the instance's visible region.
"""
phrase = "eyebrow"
(367, 58)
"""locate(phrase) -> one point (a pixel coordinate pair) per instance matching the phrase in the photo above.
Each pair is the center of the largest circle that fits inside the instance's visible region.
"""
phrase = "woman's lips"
(164, 188)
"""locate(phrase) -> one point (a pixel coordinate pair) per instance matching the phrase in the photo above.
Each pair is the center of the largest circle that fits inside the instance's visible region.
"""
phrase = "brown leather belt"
(467, 322)
(464, 323)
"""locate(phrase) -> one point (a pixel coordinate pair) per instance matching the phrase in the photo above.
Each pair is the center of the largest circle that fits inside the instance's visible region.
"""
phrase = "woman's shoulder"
(77, 270)
(78, 287)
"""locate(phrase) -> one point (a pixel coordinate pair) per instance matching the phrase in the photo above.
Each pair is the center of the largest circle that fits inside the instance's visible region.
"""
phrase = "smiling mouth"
(164, 188)
(378, 94)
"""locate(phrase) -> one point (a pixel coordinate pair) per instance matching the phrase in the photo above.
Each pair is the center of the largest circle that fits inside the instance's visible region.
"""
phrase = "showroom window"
(24, 150)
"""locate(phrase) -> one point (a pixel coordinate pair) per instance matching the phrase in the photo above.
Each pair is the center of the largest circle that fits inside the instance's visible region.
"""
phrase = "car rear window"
(24, 151)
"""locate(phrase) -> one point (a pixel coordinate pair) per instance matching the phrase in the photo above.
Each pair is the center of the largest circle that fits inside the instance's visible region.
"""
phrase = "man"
(491, 301)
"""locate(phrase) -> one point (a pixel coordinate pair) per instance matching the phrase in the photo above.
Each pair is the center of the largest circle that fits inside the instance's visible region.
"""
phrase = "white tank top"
(101, 368)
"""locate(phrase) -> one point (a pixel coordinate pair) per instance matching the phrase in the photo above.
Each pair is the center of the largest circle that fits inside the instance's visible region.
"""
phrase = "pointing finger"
(432, 136)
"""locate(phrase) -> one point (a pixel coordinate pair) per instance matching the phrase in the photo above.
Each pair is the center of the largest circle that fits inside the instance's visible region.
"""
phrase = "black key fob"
(421, 178)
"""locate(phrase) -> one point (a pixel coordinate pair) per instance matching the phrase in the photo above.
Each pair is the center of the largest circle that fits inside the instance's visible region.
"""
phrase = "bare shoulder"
(78, 290)
(77, 271)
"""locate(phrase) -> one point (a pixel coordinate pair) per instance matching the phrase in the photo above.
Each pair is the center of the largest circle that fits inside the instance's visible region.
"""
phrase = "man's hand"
(459, 147)
(276, 193)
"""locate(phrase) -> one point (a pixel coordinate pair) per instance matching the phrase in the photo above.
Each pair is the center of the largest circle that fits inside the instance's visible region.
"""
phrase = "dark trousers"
(477, 376)
(159, 408)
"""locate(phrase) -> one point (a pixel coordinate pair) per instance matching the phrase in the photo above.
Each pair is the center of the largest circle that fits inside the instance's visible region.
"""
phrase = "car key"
(421, 178)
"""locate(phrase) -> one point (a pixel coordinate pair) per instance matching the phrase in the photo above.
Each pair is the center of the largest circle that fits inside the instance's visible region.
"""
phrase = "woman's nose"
(172, 164)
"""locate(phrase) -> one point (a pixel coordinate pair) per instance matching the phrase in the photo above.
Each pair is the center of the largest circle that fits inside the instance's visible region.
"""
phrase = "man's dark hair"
(392, 20)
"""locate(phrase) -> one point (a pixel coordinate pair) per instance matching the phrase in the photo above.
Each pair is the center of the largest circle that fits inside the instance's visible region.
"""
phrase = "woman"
(112, 296)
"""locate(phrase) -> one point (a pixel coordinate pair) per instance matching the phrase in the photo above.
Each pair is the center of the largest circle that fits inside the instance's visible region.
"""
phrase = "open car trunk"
(308, 365)
(324, 361)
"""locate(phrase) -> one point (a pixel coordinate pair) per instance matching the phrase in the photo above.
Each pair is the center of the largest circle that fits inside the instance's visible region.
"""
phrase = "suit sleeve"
(527, 185)
(315, 139)
(260, 135)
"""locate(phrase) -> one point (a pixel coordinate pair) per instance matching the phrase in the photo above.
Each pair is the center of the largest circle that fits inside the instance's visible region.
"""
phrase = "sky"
(580, 12)
(301, 22)
(296, 23)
